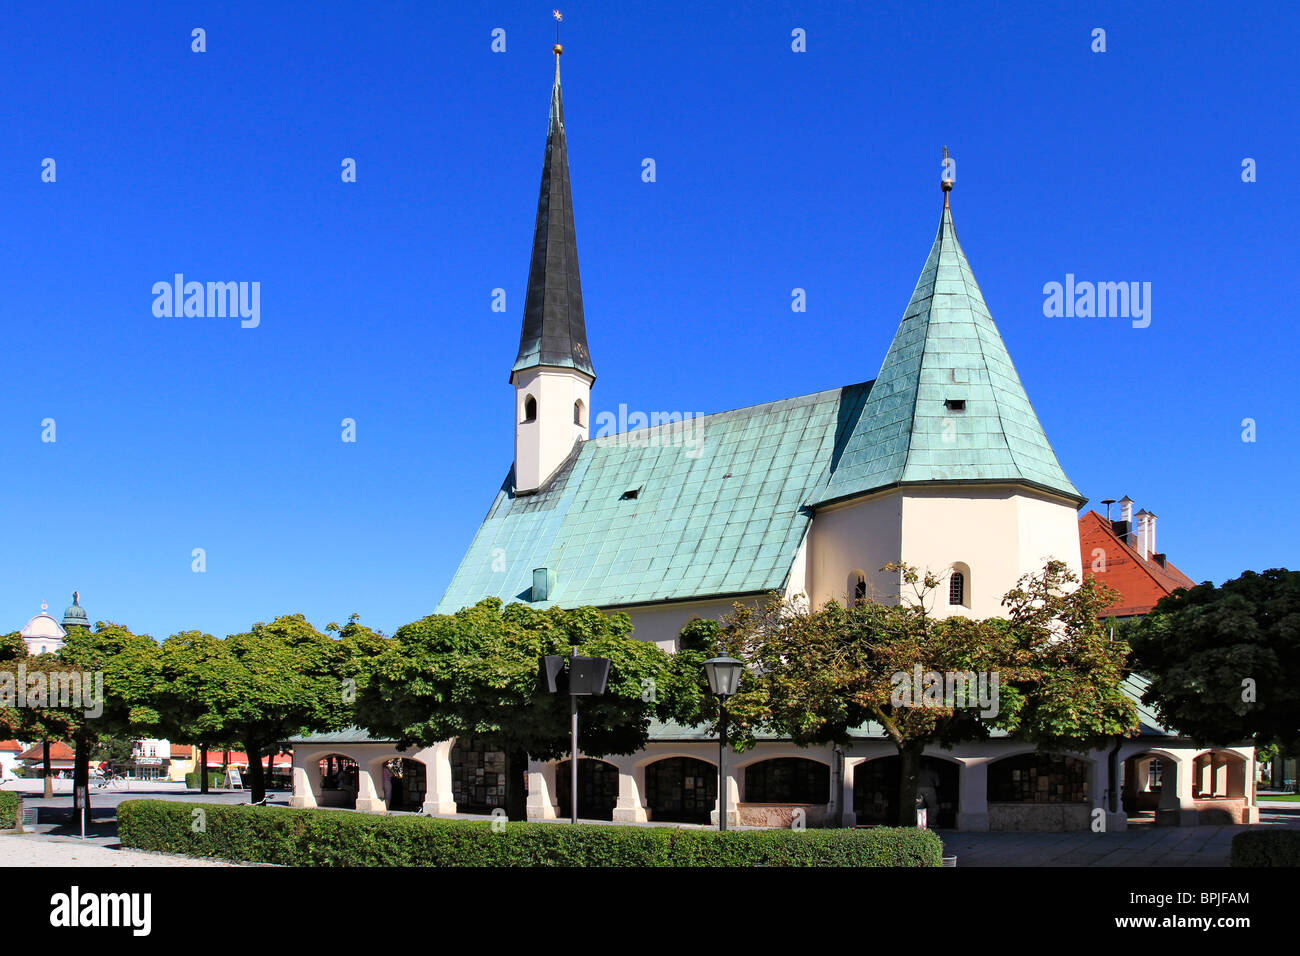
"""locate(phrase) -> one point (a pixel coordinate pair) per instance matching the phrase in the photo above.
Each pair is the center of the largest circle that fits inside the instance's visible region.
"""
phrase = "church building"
(939, 462)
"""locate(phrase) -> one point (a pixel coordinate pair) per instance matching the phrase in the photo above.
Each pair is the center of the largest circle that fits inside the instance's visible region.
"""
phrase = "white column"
(1176, 793)
(631, 800)
(1220, 775)
(306, 781)
(973, 804)
(733, 799)
(368, 799)
(542, 795)
(438, 797)
(848, 815)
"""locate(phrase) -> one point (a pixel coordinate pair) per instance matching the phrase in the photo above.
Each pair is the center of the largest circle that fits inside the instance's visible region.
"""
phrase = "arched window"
(579, 418)
(959, 586)
(857, 588)
(530, 409)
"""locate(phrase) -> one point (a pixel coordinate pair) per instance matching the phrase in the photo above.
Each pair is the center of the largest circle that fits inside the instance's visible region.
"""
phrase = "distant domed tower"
(75, 616)
(43, 633)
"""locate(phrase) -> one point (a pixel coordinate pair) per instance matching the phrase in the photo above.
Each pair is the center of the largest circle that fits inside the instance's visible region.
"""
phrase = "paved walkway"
(38, 850)
(1145, 846)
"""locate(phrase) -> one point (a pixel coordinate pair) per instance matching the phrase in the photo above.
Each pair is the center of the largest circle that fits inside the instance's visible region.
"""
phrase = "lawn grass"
(1280, 797)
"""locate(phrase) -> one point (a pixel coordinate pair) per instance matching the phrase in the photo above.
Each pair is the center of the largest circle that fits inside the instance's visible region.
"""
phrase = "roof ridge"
(826, 392)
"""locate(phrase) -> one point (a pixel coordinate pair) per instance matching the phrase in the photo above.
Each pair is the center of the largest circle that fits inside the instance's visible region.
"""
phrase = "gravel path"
(32, 850)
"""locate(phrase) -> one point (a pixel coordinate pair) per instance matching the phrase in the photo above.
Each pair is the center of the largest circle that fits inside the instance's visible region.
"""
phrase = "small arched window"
(530, 409)
(857, 588)
(957, 589)
(579, 418)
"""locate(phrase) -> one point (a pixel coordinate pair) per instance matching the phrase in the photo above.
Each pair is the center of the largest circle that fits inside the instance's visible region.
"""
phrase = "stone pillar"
(1176, 793)
(368, 799)
(631, 802)
(973, 804)
(438, 798)
(1219, 772)
(542, 793)
(848, 815)
(733, 799)
(304, 787)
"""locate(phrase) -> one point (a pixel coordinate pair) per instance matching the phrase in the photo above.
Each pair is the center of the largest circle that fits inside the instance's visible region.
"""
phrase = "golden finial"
(558, 17)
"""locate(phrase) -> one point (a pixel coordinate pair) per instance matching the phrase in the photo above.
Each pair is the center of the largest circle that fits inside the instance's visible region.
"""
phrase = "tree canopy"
(1224, 662)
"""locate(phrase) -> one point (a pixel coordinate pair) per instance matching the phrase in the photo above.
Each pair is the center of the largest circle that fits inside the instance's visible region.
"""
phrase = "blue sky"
(775, 170)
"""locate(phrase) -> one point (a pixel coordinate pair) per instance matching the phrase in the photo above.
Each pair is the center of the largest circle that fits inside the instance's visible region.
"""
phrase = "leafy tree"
(129, 665)
(816, 675)
(475, 673)
(276, 681)
(1224, 663)
(13, 649)
(195, 697)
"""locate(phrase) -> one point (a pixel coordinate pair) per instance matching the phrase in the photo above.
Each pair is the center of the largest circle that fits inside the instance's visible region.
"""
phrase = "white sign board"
(235, 782)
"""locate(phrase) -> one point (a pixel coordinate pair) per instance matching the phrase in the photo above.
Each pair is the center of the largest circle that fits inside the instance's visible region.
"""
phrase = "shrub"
(192, 780)
(343, 838)
(8, 809)
(1266, 848)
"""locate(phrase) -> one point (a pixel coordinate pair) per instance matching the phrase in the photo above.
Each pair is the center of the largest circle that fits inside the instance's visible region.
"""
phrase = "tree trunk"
(909, 772)
(203, 770)
(516, 795)
(1274, 782)
(47, 770)
(81, 777)
(256, 782)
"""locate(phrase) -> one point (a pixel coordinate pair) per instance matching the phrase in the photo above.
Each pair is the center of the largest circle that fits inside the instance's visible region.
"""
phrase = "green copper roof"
(554, 329)
(946, 348)
(718, 510)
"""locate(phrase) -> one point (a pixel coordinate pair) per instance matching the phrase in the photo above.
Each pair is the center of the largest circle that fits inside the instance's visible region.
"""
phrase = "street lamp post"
(724, 681)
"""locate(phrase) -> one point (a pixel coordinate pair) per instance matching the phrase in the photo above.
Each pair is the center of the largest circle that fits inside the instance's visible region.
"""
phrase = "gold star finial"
(558, 17)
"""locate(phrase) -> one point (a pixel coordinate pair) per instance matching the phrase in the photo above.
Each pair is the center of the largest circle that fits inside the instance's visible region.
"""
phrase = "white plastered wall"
(999, 532)
(543, 444)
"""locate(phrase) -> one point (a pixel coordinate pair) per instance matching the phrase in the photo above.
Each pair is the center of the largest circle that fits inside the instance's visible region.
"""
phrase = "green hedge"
(343, 838)
(8, 809)
(214, 780)
(1266, 848)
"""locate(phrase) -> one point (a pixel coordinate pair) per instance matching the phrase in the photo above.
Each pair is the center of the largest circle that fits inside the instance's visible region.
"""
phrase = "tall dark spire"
(554, 330)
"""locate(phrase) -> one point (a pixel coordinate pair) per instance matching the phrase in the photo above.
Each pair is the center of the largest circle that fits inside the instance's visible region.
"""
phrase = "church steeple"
(552, 374)
(948, 406)
(554, 330)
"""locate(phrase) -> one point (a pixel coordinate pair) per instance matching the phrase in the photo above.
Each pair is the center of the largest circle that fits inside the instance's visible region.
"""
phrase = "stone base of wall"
(781, 815)
(1039, 817)
(1217, 812)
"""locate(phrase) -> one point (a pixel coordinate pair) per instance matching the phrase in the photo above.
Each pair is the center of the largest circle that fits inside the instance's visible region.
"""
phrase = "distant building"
(44, 635)
(1122, 555)
(61, 759)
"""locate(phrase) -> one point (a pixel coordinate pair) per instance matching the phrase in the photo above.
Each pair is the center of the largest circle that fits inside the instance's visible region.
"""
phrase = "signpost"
(83, 798)
(235, 781)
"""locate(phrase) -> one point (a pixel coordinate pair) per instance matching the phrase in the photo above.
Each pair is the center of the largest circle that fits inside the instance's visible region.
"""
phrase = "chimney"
(1151, 533)
(1123, 528)
(1143, 534)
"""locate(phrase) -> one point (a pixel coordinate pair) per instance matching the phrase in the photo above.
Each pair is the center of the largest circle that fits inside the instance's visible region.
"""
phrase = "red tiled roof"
(58, 751)
(181, 752)
(1140, 583)
(11, 746)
